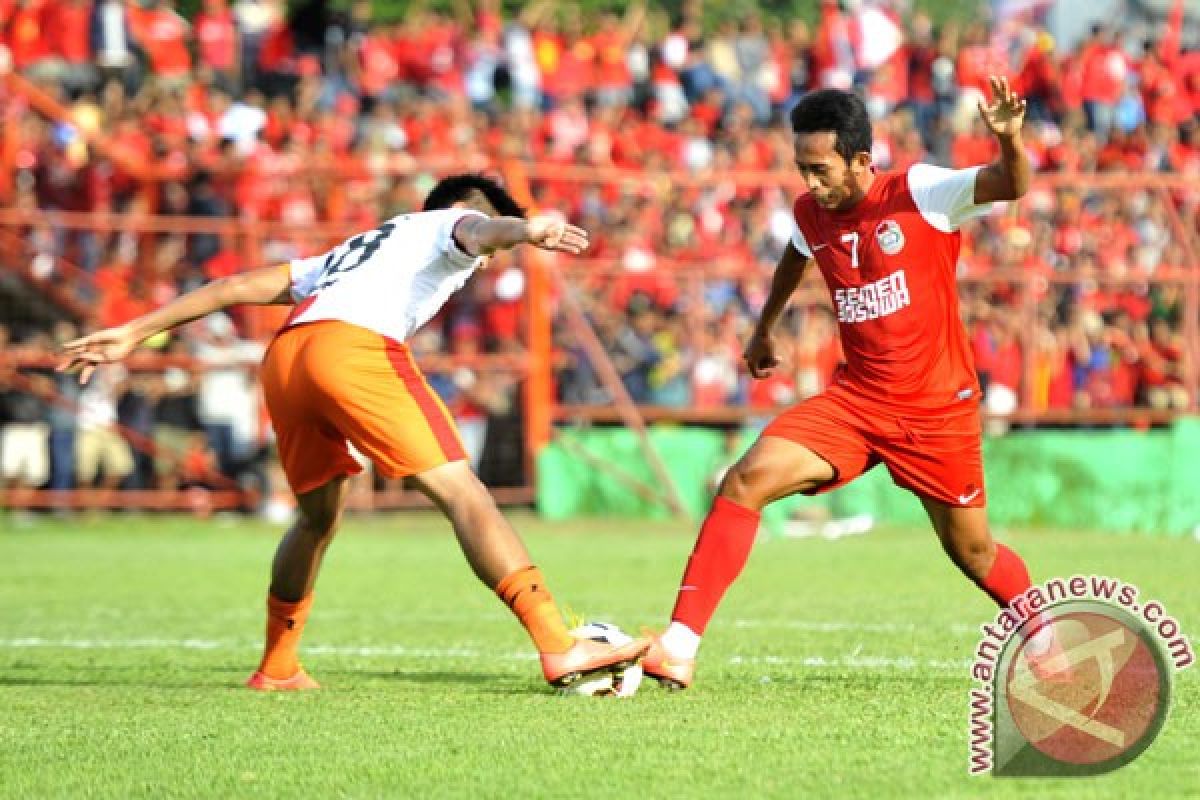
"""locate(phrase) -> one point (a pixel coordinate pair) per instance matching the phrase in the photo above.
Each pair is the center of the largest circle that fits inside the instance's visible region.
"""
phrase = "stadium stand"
(144, 153)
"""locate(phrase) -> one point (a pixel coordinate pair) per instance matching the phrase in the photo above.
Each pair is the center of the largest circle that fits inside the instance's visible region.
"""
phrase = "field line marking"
(854, 660)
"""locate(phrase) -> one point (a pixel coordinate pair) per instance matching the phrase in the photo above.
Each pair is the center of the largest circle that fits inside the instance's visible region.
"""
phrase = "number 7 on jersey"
(852, 238)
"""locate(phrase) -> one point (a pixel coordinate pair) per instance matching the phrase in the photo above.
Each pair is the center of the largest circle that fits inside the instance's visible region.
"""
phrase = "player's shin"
(720, 554)
(1007, 580)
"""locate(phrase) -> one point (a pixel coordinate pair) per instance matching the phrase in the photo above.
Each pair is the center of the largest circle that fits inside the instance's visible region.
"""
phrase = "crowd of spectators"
(319, 124)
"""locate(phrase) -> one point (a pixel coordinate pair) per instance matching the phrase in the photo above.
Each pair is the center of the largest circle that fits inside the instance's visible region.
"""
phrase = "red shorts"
(934, 455)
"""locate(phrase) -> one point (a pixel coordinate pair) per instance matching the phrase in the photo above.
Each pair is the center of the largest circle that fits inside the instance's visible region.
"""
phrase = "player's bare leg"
(773, 468)
(966, 538)
(293, 572)
(299, 554)
(500, 560)
(489, 542)
(994, 567)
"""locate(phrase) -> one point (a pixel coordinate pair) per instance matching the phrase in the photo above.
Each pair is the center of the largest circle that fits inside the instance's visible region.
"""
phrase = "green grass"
(430, 689)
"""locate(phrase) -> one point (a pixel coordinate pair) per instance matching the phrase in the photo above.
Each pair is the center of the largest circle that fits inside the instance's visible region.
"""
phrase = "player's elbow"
(1018, 184)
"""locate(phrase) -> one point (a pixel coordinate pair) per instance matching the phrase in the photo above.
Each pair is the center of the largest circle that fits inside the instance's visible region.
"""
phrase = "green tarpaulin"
(1110, 480)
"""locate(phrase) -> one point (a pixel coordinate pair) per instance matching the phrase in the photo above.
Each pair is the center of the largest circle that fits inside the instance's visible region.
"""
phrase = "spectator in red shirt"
(921, 54)
(25, 36)
(378, 64)
(217, 43)
(976, 60)
(1163, 360)
(1039, 80)
(66, 28)
(976, 146)
(1104, 69)
(833, 48)
(613, 81)
(1162, 90)
(277, 65)
(165, 36)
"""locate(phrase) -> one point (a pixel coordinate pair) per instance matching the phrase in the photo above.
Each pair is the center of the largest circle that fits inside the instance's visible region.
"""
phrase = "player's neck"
(863, 190)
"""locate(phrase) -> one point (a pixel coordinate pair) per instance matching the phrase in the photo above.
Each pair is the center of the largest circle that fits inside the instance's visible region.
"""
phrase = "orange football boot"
(587, 656)
(261, 682)
(674, 673)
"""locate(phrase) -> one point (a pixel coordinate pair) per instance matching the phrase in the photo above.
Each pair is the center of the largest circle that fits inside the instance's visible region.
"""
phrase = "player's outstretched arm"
(760, 350)
(268, 286)
(482, 236)
(1008, 177)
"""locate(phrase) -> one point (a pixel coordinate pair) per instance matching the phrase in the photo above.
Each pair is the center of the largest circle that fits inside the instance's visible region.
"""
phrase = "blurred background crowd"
(662, 133)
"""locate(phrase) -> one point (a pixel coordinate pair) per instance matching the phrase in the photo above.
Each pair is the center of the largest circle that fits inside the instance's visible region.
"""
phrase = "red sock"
(717, 559)
(1007, 578)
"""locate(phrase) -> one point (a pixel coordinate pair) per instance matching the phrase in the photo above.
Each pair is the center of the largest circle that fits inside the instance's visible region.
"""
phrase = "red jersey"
(890, 263)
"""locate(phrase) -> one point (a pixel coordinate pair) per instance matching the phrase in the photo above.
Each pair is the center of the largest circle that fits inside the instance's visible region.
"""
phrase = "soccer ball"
(609, 684)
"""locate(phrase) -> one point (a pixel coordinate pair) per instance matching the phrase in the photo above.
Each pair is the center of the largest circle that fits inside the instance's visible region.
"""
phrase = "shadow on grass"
(233, 677)
(491, 682)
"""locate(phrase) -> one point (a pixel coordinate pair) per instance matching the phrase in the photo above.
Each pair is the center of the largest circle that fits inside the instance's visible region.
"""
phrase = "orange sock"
(285, 624)
(525, 592)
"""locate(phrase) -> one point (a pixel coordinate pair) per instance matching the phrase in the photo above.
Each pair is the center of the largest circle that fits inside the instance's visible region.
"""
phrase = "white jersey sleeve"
(304, 273)
(449, 245)
(945, 197)
(799, 242)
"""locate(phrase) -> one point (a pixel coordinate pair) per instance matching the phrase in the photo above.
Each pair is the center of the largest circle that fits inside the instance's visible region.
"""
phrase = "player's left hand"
(551, 232)
(1006, 114)
(84, 354)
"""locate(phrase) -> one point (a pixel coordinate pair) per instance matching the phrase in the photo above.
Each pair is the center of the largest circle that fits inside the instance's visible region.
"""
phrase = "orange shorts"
(329, 383)
(934, 455)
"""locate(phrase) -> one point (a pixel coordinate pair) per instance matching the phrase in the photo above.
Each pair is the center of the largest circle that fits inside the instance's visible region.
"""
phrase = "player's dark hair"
(477, 191)
(841, 113)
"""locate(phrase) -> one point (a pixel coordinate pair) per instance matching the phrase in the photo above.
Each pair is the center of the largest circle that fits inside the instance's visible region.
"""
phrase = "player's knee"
(974, 554)
(461, 492)
(745, 484)
(321, 520)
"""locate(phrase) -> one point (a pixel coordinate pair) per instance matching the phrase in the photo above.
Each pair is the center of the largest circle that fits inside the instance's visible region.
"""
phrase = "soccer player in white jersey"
(339, 371)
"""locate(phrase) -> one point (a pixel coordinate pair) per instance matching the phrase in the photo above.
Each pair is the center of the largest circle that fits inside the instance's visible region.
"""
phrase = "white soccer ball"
(624, 683)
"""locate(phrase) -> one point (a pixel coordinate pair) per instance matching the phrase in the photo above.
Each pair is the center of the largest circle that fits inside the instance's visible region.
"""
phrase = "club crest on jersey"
(890, 237)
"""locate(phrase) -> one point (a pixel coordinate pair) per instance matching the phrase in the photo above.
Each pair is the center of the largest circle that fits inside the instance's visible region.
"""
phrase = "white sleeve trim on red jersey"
(945, 197)
(304, 273)
(799, 242)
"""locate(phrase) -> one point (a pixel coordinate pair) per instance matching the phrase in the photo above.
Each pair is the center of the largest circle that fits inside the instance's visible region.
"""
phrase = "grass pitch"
(834, 669)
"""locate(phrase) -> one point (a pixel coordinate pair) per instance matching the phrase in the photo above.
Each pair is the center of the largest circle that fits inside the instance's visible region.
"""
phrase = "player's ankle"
(680, 641)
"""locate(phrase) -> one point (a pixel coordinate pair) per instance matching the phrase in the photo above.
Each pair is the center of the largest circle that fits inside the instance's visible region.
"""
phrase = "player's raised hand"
(1006, 113)
(82, 355)
(552, 232)
(760, 356)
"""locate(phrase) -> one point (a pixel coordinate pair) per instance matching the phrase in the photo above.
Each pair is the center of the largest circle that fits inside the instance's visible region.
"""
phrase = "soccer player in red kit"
(908, 397)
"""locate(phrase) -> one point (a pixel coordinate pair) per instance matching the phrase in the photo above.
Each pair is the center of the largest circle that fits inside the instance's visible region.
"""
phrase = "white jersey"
(391, 280)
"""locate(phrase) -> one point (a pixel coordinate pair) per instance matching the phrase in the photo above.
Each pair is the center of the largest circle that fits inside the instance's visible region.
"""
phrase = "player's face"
(833, 183)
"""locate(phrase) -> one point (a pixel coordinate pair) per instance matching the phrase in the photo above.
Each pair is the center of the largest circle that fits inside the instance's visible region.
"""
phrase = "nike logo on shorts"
(966, 498)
